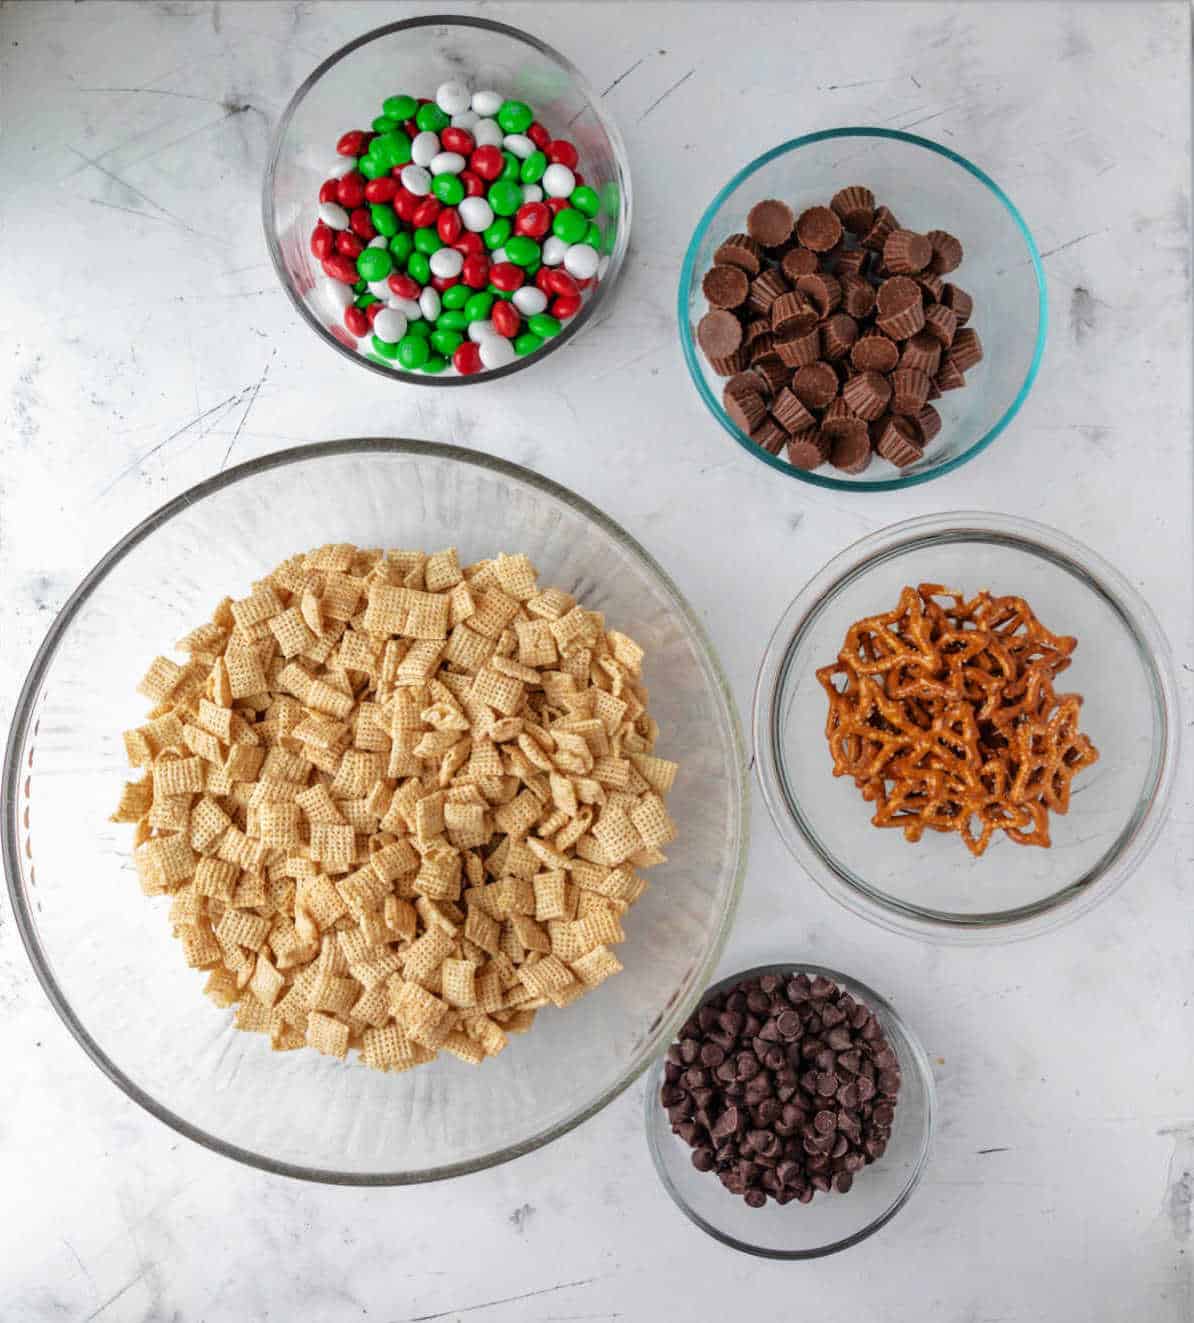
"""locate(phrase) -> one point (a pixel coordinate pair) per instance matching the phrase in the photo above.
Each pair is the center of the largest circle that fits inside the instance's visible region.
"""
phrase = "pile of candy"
(457, 232)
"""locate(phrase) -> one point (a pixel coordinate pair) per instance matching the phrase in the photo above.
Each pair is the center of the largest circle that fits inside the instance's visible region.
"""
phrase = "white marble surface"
(146, 345)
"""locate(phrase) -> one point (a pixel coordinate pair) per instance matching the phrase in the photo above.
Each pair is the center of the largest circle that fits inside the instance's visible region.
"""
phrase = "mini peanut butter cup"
(799, 262)
(881, 227)
(815, 385)
(909, 391)
(770, 436)
(808, 450)
(959, 301)
(719, 333)
(838, 408)
(756, 328)
(875, 353)
(898, 442)
(765, 288)
(929, 422)
(761, 347)
(901, 311)
(932, 285)
(854, 206)
(822, 291)
(740, 250)
(966, 350)
(773, 372)
(867, 394)
(858, 297)
(922, 352)
(849, 444)
(793, 314)
(746, 381)
(770, 222)
(819, 229)
(947, 252)
(941, 323)
(849, 262)
(949, 377)
(788, 410)
(798, 350)
(745, 409)
(725, 286)
(838, 334)
(906, 252)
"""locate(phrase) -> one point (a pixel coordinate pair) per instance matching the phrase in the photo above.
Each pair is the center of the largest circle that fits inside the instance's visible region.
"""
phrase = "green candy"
(478, 306)
(593, 235)
(384, 220)
(446, 342)
(375, 264)
(364, 300)
(543, 325)
(421, 329)
(505, 197)
(360, 287)
(399, 107)
(384, 349)
(427, 241)
(497, 233)
(504, 294)
(515, 117)
(418, 267)
(511, 168)
(522, 250)
(372, 167)
(383, 124)
(585, 199)
(455, 296)
(569, 225)
(435, 364)
(452, 320)
(402, 245)
(532, 268)
(526, 343)
(412, 352)
(430, 118)
(533, 167)
(392, 147)
(448, 189)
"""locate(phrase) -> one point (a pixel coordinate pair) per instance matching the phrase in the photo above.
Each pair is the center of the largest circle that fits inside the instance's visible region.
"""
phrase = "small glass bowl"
(832, 1221)
(935, 889)
(416, 55)
(928, 187)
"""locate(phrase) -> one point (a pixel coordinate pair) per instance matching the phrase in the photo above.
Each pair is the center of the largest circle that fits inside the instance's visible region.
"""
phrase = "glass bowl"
(928, 187)
(104, 952)
(935, 888)
(832, 1221)
(417, 54)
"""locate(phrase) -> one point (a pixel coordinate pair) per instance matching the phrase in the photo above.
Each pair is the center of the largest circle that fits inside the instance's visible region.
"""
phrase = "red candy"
(580, 179)
(467, 358)
(448, 225)
(323, 241)
(565, 306)
(457, 140)
(406, 287)
(362, 224)
(486, 162)
(506, 320)
(410, 128)
(557, 205)
(533, 218)
(425, 213)
(356, 320)
(329, 190)
(506, 276)
(353, 143)
(382, 189)
(542, 276)
(469, 244)
(475, 271)
(340, 268)
(539, 136)
(558, 281)
(349, 244)
(373, 309)
(560, 152)
(405, 205)
(474, 185)
(442, 283)
(351, 190)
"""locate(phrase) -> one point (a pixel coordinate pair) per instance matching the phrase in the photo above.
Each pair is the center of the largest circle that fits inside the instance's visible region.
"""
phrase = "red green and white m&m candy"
(457, 235)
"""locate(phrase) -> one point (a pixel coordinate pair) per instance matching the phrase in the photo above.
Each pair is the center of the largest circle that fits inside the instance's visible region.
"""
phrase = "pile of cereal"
(398, 804)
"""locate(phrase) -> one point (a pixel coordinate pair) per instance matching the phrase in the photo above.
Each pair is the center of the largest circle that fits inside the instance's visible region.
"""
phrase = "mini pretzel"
(944, 713)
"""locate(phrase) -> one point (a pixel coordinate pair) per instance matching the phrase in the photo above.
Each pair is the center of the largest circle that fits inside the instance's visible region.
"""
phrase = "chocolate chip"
(702, 1158)
(756, 1198)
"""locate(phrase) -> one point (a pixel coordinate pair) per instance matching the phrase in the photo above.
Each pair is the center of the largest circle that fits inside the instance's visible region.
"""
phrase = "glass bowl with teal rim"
(927, 186)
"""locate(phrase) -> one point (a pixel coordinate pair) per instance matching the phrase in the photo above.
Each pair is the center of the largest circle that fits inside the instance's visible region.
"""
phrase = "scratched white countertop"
(146, 344)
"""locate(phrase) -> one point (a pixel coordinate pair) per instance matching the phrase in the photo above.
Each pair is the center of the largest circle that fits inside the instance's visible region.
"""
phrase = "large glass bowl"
(416, 55)
(832, 1221)
(928, 187)
(935, 888)
(104, 952)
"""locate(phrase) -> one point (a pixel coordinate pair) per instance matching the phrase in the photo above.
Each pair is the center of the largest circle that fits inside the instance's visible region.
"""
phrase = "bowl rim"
(924, 1070)
(600, 294)
(24, 725)
(688, 342)
(1098, 576)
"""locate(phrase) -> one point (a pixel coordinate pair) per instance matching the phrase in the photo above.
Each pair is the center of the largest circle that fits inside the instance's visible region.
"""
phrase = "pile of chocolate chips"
(836, 329)
(782, 1087)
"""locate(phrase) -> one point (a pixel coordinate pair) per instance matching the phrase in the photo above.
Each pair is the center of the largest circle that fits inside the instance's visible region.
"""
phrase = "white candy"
(446, 262)
(447, 163)
(465, 120)
(452, 98)
(519, 144)
(407, 307)
(480, 331)
(333, 215)
(339, 294)
(340, 166)
(487, 103)
(424, 148)
(476, 214)
(380, 290)
(430, 303)
(581, 261)
(532, 193)
(558, 181)
(378, 241)
(496, 352)
(554, 249)
(529, 299)
(498, 255)
(487, 133)
(416, 180)
(389, 325)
